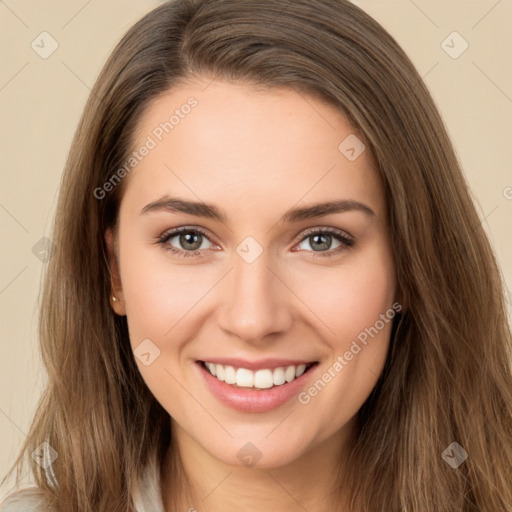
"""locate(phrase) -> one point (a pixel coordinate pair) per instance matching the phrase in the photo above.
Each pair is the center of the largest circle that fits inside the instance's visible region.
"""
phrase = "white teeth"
(219, 370)
(300, 370)
(289, 373)
(229, 375)
(212, 368)
(244, 378)
(260, 379)
(263, 379)
(278, 377)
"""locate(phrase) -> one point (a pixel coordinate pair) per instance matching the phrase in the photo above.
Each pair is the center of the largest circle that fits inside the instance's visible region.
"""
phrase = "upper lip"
(261, 364)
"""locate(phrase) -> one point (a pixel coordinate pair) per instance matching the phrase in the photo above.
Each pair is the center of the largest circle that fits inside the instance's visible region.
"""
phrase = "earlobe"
(116, 295)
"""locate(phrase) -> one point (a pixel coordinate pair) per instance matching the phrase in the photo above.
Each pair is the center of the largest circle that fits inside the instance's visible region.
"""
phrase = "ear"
(116, 289)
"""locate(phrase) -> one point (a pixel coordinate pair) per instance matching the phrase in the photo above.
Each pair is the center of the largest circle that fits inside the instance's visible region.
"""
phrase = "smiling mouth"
(265, 378)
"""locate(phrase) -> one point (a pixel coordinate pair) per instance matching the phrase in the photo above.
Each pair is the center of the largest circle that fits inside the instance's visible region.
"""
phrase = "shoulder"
(26, 500)
(147, 495)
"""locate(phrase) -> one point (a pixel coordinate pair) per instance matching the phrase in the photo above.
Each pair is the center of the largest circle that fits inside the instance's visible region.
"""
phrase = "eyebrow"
(210, 211)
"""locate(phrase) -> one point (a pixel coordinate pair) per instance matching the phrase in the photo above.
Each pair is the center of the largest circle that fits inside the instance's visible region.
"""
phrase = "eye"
(321, 239)
(189, 241)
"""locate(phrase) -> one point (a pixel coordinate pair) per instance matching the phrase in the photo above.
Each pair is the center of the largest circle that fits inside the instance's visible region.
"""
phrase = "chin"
(258, 453)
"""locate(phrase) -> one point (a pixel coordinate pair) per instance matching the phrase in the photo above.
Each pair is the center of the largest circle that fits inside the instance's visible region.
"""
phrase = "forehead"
(253, 149)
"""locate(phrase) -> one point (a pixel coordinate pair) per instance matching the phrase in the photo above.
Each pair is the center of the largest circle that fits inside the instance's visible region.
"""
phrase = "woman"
(334, 338)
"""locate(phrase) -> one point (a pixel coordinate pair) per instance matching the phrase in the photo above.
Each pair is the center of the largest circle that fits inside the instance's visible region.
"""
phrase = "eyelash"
(346, 240)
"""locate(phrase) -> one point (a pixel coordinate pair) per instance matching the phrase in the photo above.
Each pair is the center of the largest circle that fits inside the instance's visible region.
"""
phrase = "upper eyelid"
(326, 229)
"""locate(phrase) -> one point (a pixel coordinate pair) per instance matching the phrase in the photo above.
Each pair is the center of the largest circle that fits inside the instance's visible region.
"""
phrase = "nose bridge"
(253, 305)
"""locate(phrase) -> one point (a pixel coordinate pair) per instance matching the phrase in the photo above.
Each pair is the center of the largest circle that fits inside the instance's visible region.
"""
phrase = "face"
(223, 258)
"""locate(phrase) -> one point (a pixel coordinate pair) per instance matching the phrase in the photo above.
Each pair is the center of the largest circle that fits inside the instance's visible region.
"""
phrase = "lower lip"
(250, 399)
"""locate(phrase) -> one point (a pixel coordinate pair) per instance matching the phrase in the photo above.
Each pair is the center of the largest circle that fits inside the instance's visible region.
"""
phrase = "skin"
(254, 154)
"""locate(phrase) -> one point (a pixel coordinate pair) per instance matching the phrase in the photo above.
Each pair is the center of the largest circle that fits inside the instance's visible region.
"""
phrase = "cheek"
(350, 297)
(357, 308)
(158, 293)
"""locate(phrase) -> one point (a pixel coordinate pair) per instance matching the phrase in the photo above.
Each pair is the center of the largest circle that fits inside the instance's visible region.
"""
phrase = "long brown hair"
(448, 375)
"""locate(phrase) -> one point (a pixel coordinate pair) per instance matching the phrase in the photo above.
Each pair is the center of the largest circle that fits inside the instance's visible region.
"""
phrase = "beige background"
(41, 101)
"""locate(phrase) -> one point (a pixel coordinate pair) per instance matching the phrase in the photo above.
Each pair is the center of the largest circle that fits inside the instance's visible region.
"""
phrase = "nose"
(255, 301)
